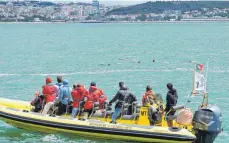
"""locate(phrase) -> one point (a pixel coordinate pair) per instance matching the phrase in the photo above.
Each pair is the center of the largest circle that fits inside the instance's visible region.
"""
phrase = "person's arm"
(143, 100)
(33, 102)
(101, 92)
(176, 94)
(61, 95)
(114, 98)
(102, 99)
(70, 97)
(154, 95)
(134, 97)
(167, 99)
(87, 95)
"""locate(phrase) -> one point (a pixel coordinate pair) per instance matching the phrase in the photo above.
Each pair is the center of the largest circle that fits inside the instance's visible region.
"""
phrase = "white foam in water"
(10, 75)
(219, 71)
(51, 138)
(224, 134)
(54, 74)
(183, 69)
(26, 135)
(114, 71)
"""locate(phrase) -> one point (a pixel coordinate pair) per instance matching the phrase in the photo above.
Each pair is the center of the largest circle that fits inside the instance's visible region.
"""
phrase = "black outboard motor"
(207, 124)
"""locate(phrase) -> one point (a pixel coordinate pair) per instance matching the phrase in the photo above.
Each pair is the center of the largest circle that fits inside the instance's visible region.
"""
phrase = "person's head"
(74, 86)
(37, 93)
(148, 88)
(170, 86)
(79, 85)
(59, 79)
(121, 84)
(93, 83)
(48, 80)
(65, 82)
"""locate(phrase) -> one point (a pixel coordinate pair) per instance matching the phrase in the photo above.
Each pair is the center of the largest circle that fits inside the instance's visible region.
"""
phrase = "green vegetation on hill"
(160, 7)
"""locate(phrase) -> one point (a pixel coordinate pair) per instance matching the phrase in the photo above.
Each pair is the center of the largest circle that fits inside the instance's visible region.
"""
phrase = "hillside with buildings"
(177, 10)
(38, 11)
(41, 11)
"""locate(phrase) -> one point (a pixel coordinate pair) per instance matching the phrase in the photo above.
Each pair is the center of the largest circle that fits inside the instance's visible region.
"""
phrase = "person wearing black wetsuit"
(171, 100)
(123, 96)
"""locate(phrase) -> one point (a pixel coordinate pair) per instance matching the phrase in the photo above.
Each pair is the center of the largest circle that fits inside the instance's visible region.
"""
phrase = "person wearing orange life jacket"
(149, 97)
(88, 106)
(78, 94)
(50, 92)
(148, 100)
(97, 95)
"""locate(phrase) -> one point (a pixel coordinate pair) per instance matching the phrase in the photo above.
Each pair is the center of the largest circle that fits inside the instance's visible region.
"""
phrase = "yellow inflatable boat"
(18, 114)
(202, 127)
(206, 124)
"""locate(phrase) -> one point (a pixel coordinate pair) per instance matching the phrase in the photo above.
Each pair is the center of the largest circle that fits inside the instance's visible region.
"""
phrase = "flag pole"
(205, 98)
(194, 78)
(206, 77)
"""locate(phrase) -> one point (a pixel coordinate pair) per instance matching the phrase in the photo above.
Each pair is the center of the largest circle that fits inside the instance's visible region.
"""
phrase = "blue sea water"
(107, 54)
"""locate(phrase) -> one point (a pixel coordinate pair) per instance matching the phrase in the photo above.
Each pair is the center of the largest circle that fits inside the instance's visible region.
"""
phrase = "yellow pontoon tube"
(20, 117)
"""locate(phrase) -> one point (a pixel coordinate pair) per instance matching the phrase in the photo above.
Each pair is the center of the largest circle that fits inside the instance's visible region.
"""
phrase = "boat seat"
(129, 117)
(99, 114)
(96, 104)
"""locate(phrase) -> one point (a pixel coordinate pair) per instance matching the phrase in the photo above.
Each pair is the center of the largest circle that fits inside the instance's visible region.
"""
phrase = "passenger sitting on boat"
(37, 102)
(78, 94)
(97, 95)
(88, 106)
(149, 97)
(122, 96)
(59, 84)
(65, 98)
(171, 100)
(148, 100)
(49, 91)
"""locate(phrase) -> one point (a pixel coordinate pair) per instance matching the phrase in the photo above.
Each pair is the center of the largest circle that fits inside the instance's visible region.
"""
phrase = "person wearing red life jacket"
(97, 95)
(78, 95)
(50, 92)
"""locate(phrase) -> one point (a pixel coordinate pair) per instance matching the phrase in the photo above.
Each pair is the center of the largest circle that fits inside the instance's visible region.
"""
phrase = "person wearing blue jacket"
(64, 98)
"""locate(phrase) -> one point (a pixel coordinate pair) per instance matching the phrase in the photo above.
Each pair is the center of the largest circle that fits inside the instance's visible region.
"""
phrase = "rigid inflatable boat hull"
(109, 133)
(94, 128)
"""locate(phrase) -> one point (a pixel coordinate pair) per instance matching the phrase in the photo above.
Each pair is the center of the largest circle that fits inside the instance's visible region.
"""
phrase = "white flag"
(199, 82)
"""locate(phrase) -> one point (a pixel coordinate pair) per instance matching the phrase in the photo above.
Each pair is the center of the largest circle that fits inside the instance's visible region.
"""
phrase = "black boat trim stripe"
(114, 131)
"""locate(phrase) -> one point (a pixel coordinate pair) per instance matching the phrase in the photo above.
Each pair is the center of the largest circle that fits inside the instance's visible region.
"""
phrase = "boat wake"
(51, 138)
(111, 71)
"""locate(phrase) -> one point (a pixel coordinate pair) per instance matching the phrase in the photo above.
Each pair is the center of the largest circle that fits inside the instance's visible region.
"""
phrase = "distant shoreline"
(181, 21)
